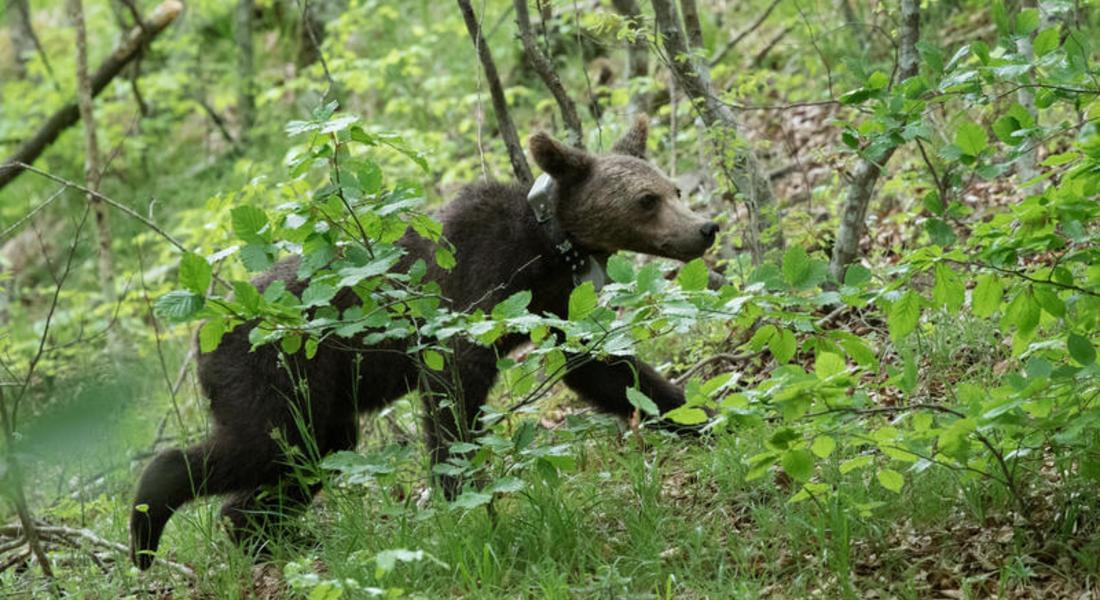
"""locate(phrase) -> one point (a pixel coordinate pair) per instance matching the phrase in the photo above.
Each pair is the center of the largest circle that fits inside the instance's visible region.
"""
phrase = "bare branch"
(496, 91)
(744, 33)
(545, 69)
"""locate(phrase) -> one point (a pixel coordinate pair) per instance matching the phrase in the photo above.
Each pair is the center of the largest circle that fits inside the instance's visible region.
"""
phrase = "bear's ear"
(561, 162)
(633, 143)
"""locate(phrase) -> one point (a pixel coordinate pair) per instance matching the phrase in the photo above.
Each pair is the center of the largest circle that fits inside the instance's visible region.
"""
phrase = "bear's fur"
(606, 203)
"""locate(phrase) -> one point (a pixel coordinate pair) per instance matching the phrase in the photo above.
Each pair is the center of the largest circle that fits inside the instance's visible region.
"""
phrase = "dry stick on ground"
(68, 115)
(500, 104)
(637, 54)
(744, 33)
(92, 169)
(739, 165)
(545, 69)
(73, 536)
(854, 213)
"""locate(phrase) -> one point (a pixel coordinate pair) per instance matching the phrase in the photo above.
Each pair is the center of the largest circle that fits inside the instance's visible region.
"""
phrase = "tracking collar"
(543, 200)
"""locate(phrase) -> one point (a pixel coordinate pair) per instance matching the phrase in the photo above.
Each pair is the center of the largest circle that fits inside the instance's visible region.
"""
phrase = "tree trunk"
(92, 168)
(853, 219)
(22, 36)
(496, 91)
(692, 26)
(1026, 164)
(637, 55)
(545, 69)
(738, 164)
(68, 115)
(246, 91)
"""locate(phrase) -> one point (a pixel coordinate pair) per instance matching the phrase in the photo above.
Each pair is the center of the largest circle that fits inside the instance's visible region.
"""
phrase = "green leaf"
(986, 298)
(685, 415)
(783, 346)
(444, 258)
(582, 301)
(949, 289)
(904, 316)
(178, 305)
(797, 267)
(255, 257)
(195, 273)
(798, 463)
(694, 275)
(318, 294)
(642, 402)
(210, 335)
(1049, 301)
(1004, 128)
(248, 223)
(1027, 20)
(971, 138)
(823, 446)
(878, 80)
(1081, 349)
(620, 269)
(828, 364)
(433, 360)
(762, 336)
(470, 500)
(245, 293)
(891, 480)
(855, 463)
(291, 343)
(513, 306)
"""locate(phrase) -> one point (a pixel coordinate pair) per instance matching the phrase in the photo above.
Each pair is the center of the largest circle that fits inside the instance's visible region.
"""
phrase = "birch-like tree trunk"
(246, 92)
(637, 55)
(92, 168)
(737, 162)
(1026, 164)
(853, 217)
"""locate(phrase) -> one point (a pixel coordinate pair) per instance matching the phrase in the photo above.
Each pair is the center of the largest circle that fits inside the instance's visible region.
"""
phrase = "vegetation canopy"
(887, 358)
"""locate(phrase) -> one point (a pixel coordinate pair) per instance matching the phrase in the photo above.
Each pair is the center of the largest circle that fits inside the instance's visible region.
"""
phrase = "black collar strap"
(543, 200)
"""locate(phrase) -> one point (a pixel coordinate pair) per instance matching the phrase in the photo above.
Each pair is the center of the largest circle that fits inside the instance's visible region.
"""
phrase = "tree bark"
(738, 164)
(637, 55)
(68, 115)
(496, 91)
(92, 169)
(853, 218)
(1026, 164)
(545, 69)
(692, 26)
(246, 92)
(22, 36)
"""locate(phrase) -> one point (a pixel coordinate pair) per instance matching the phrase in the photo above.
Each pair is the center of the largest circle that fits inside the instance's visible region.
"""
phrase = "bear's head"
(619, 201)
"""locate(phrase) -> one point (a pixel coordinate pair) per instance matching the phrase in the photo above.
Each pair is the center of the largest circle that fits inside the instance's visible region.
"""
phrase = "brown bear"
(603, 204)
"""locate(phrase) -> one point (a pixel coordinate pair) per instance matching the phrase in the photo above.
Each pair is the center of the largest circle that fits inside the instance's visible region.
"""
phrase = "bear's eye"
(649, 201)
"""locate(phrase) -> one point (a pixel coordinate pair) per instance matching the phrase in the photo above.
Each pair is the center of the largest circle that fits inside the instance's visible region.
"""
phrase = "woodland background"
(896, 332)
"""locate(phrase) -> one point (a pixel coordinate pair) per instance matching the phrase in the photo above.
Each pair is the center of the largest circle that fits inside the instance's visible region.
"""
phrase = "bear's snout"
(709, 231)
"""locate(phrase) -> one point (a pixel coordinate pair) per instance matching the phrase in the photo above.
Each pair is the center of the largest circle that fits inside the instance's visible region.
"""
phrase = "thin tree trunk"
(692, 26)
(738, 164)
(92, 168)
(496, 91)
(853, 218)
(246, 92)
(16, 488)
(68, 115)
(637, 54)
(22, 36)
(1026, 168)
(545, 68)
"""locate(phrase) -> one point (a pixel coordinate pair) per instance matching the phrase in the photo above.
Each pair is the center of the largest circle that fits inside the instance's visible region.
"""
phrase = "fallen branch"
(68, 115)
